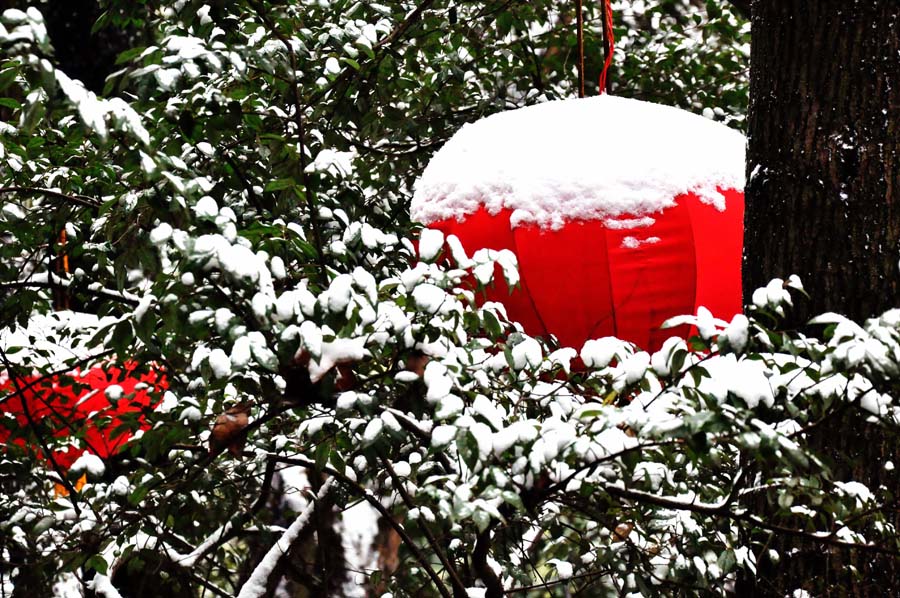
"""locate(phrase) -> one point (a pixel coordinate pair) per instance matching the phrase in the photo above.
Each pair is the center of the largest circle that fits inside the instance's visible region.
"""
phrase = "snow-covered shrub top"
(580, 159)
(48, 341)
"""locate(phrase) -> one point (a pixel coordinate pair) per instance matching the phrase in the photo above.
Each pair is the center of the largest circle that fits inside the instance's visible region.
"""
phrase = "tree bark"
(822, 202)
(823, 164)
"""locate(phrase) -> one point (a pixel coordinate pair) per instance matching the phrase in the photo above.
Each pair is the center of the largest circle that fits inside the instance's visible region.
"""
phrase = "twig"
(82, 200)
(458, 586)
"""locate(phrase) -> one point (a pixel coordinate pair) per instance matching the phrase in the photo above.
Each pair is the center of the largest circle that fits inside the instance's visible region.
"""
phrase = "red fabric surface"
(567, 273)
(655, 280)
(586, 281)
(719, 256)
(69, 404)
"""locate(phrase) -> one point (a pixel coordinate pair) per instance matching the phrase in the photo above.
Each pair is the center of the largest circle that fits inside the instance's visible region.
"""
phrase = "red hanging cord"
(61, 299)
(580, 22)
(610, 43)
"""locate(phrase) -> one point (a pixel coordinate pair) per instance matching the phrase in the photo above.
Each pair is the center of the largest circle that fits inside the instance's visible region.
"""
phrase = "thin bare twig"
(458, 586)
(82, 200)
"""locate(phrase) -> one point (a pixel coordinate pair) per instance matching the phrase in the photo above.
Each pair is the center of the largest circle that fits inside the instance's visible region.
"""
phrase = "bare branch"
(81, 200)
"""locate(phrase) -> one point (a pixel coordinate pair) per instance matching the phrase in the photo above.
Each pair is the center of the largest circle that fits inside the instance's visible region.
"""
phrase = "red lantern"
(102, 404)
(621, 213)
(99, 408)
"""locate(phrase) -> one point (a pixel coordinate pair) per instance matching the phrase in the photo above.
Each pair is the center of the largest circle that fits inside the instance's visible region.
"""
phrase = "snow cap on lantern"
(622, 213)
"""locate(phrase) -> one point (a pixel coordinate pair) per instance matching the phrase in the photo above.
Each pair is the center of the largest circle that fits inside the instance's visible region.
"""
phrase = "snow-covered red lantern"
(101, 404)
(621, 213)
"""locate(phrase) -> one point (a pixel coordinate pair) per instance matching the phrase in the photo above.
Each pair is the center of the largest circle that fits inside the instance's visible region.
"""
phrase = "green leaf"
(482, 519)
(101, 22)
(279, 184)
(468, 449)
(7, 76)
(512, 498)
(97, 563)
(492, 325)
(367, 50)
(351, 62)
(130, 54)
(727, 561)
(138, 495)
(323, 452)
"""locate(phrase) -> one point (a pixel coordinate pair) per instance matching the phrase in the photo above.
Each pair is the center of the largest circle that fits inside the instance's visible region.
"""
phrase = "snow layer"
(90, 464)
(583, 159)
(358, 531)
(49, 340)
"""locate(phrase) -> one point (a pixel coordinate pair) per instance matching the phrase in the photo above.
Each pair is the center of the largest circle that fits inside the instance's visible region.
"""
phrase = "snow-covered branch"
(256, 584)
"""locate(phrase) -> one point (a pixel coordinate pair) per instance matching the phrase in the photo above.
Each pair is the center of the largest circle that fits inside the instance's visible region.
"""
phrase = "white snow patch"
(90, 464)
(564, 569)
(634, 242)
(442, 436)
(527, 160)
(114, 392)
(220, 363)
(206, 207)
(430, 243)
(102, 586)
(333, 162)
(340, 350)
(161, 234)
(858, 491)
(597, 353)
(527, 353)
(738, 332)
(429, 297)
(359, 525)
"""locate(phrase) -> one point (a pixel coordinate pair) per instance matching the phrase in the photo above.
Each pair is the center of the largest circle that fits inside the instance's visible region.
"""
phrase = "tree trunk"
(824, 187)
(822, 202)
